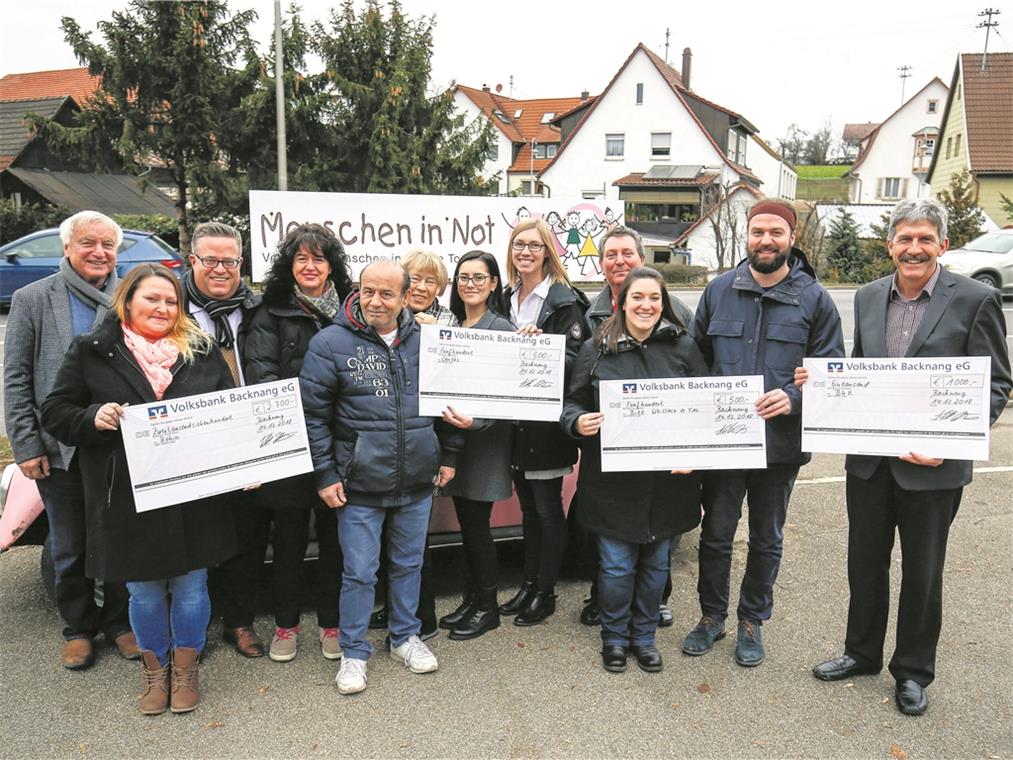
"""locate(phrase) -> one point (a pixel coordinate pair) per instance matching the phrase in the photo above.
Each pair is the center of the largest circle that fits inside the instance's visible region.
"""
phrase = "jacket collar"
(788, 291)
(107, 340)
(601, 306)
(351, 317)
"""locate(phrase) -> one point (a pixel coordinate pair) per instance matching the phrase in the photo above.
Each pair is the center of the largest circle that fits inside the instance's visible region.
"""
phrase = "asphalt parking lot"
(540, 692)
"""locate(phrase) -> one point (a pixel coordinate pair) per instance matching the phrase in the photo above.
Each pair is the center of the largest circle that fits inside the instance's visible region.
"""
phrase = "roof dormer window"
(518, 112)
(547, 117)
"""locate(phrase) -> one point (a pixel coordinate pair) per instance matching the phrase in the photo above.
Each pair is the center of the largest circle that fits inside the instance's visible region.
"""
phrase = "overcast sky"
(775, 62)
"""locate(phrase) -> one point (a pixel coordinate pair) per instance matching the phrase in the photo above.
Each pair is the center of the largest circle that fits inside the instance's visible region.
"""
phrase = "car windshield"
(991, 242)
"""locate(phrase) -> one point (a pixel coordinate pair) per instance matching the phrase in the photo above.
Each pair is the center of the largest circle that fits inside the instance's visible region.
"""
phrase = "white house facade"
(779, 178)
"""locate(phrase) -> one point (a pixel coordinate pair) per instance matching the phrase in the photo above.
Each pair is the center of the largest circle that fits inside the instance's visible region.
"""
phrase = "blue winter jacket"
(360, 399)
(742, 329)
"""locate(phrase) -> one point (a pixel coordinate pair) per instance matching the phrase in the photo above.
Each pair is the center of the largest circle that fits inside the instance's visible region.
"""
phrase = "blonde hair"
(185, 334)
(422, 260)
(551, 266)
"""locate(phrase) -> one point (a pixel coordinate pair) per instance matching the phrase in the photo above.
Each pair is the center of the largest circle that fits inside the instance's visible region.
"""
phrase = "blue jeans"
(171, 613)
(767, 492)
(359, 529)
(630, 584)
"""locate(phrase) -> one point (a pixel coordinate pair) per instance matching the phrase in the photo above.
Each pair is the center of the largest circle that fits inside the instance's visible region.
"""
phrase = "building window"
(956, 145)
(545, 150)
(615, 146)
(958, 90)
(933, 106)
(547, 117)
(891, 187)
(640, 93)
(661, 144)
(930, 146)
(518, 112)
(949, 146)
(526, 187)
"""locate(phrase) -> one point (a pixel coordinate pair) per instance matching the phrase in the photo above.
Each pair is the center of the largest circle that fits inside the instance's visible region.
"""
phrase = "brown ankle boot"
(185, 690)
(155, 695)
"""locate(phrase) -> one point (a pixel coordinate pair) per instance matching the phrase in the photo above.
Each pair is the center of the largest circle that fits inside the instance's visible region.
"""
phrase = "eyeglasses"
(478, 280)
(211, 262)
(520, 245)
(430, 282)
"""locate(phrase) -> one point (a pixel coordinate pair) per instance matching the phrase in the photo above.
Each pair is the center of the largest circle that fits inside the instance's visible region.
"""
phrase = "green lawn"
(821, 172)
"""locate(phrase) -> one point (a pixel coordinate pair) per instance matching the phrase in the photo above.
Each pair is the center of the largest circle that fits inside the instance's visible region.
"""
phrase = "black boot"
(543, 605)
(483, 617)
(521, 599)
(464, 609)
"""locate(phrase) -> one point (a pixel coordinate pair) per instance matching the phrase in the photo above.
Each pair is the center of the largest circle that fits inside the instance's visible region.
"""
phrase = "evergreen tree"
(877, 256)
(844, 253)
(965, 216)
(1007, 206)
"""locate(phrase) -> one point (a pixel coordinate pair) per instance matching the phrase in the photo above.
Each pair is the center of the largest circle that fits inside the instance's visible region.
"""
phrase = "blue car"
(38, 255)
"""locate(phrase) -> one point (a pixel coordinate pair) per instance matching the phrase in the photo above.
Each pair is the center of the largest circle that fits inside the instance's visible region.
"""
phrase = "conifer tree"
(965, 217)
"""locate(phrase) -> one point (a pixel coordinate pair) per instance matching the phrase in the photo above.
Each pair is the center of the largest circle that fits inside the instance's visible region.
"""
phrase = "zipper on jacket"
(110, 479)
(395, 373)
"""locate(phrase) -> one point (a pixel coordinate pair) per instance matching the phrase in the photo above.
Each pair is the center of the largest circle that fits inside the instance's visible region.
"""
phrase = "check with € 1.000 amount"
(686, 423)
(937, 406)
(494, 374)
(188, 448)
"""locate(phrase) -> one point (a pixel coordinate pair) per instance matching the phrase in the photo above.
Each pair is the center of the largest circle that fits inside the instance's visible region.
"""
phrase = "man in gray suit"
(922, 310)
(44, 317)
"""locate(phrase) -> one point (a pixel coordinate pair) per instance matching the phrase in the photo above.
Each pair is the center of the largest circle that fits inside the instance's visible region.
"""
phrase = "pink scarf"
(156, 359)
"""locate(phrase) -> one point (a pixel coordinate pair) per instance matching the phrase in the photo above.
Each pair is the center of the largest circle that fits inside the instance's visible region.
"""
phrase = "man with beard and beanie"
(45, 316)
(760, 318)
(222, 304)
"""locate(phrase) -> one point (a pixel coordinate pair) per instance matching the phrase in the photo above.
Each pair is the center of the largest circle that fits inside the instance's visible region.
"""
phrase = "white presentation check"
(494, 374)
(932, 406)
(187, 448)
(699, 423)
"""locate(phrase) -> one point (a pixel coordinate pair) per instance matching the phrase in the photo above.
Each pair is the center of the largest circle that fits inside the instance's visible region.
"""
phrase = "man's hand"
(444, 476)
(531, 329)
(333, 496)
(772, 403)
(589, 424)
(108, 416)
(801, 376)
(924, 461)
(452, 417)
(35, 469)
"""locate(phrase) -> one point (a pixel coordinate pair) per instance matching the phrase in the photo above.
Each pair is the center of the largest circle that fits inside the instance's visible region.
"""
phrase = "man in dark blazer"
(922, 310)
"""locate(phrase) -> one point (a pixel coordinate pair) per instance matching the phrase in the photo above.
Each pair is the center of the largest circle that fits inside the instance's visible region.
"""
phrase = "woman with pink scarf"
(146, 350)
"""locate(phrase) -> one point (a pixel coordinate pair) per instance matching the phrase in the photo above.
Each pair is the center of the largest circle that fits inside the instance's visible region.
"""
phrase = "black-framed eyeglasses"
(212, 262)
(535, 247)
(478, 280)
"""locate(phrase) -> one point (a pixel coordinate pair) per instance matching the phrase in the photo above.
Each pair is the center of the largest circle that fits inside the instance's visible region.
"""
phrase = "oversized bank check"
(494, 374)
(932, 406)
(699, 423)
(188, 448)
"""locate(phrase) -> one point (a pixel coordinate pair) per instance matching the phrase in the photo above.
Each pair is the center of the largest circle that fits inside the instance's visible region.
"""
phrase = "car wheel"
(47, 570)
(988, 279)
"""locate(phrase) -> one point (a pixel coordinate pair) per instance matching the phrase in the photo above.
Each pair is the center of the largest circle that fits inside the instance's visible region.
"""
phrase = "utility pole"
(667, 33)
(279, 98)
(988, 26)
(905, 72)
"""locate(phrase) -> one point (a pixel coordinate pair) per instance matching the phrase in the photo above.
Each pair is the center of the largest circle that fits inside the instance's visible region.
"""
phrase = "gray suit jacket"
(963, 318)
(39, 332)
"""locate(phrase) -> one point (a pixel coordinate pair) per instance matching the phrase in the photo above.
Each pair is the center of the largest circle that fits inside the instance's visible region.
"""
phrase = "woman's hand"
(590, 423)
(108, 416)
(421, 318)
(531, 329)
(458, 420)
(444, 476)
(801, 375)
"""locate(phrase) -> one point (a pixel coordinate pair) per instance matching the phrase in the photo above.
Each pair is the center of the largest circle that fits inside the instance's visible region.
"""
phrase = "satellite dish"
(499, 88)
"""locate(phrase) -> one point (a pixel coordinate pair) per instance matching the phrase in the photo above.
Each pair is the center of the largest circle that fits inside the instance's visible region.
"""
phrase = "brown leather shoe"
(126, 643)
(245, 640)
(185, 687)
(78, 654)
(155, 689)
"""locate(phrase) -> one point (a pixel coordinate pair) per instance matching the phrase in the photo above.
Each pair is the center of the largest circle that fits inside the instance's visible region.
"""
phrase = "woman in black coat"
(633, 515)
(308, 280)
(146, 351)
(542, 300)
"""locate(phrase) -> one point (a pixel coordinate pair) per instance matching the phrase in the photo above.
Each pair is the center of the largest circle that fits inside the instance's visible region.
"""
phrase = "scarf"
(218, 310)
(99, 300)
(327, 305)
(156, 358)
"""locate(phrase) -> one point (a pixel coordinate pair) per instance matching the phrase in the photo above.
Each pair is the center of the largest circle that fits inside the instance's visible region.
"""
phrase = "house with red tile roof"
(852, 138)
(977, 131)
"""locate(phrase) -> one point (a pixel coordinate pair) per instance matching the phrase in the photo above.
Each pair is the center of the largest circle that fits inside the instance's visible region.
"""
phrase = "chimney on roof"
(687, 65)
(584, 95)
(485, 88)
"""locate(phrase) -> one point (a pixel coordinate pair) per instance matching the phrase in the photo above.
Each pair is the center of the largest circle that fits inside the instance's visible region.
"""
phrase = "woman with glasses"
(309, 279)
(542, 300)
(633, 515)
(483, 466)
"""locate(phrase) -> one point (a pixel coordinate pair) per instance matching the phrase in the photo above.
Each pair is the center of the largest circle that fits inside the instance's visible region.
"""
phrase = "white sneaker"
(415, 655)
(351, 678)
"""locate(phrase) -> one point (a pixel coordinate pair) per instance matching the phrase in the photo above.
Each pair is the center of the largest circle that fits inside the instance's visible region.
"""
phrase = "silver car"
(988, 258)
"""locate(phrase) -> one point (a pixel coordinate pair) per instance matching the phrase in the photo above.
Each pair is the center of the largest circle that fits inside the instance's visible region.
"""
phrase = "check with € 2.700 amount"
(687, 423)
(188, 448)
(494, 374)
(937, 407)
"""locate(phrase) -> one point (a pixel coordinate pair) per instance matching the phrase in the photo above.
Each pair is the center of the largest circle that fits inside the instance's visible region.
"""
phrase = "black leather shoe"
(464, 609)
(840, 668)
(590, 615)
(911, 698)
(521, 599)
(543, 605)
(613, 658)
(479, 621)
(648, 658)
(378, 620)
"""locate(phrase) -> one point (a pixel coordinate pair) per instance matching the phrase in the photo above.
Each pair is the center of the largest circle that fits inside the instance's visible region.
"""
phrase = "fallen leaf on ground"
(704, 688)
(884, 700)
(849, 685)
(521, 645)
(215, 724)
(263, 690)
(760, 742)
(897, 753)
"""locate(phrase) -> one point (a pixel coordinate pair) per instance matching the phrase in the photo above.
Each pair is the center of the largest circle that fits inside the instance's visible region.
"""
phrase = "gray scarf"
(326, 304)
(99, 300)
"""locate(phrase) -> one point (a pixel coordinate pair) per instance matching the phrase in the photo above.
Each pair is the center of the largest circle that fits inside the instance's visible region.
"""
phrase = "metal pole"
(279, 98)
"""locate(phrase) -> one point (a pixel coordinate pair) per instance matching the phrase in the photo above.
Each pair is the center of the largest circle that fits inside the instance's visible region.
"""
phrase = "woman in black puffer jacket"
(305, 288)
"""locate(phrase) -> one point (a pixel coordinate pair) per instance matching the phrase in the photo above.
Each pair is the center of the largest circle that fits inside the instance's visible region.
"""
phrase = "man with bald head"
(376, 460)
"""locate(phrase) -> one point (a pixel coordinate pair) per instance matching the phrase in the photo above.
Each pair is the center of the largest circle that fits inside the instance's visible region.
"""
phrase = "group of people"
(81, 345)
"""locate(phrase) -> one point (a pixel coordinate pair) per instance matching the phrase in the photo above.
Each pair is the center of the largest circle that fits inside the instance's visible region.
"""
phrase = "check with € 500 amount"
(937, 407)
(188, 448)
(687, 423)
